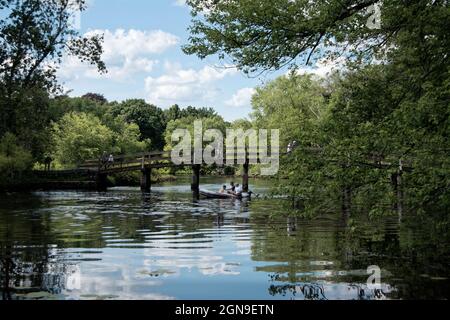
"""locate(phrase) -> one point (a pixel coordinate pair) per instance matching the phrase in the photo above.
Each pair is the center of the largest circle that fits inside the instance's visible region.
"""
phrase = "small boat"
(217, 195)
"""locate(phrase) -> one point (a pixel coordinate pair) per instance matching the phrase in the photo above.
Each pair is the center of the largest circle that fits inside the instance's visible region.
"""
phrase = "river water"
(126, 245)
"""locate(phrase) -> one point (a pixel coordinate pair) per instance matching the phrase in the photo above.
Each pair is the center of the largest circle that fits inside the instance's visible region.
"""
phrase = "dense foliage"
(84, 128)
(78, 137)
(14, 159)
(377, 133)
(34, 35)
(149, 118)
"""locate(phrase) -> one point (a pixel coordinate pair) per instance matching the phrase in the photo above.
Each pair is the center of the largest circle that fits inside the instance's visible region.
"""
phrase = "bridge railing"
(134, 161)
(148, 158)
(126, 161)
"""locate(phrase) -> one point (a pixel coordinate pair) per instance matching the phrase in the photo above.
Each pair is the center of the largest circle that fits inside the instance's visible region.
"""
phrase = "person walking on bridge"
(110, 160)
(48, 163)
(104, 159)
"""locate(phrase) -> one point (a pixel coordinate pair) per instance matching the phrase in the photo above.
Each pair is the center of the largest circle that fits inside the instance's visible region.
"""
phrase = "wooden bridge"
(98, 169)
(145, 163)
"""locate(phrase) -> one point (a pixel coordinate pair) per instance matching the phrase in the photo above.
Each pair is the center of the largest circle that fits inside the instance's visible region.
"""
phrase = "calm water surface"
(125, 245)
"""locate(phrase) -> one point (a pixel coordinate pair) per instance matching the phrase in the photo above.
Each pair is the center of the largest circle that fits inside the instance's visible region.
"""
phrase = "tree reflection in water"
(121, 241)
(308, 291)
(327, 258)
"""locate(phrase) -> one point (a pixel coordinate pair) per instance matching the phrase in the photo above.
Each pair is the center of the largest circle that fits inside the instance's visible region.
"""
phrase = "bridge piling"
(398, 190)
(102, 182)
(195, 186)
(146, 180)
(245, 176)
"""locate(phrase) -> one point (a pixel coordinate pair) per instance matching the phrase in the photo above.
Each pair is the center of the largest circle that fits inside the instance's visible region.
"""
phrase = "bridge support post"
(146, 180)
(195, 186)
(346, 200)
(397, 185)
(102, 182)
(245, 176)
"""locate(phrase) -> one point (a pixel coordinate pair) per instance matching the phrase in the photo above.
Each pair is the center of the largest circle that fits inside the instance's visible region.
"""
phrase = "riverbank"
(35, 182)
(57, 180)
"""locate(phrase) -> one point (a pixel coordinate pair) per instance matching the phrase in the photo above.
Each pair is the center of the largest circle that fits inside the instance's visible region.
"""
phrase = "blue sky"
(143, 54)
(143, 40)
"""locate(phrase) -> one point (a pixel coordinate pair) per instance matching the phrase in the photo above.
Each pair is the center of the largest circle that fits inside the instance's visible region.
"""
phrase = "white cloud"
(179, 3)
(73, 69)
(132, 43)
(185, 85)
(242, 98)
(125, 54)
(128, 68)
(324, 67)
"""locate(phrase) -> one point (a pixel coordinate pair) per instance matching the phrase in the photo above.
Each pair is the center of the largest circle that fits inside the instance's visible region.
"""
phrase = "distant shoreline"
(37, 184)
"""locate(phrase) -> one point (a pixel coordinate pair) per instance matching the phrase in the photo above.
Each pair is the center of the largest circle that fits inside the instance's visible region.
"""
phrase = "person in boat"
(289, 148)
(232, 188)
(223, 190)
(239, 190)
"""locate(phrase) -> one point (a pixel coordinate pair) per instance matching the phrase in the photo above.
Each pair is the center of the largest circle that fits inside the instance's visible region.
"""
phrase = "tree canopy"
(149, 118)
(175, 113)
(78, 137)
(267, 34)
(379, 130)
(34, 37)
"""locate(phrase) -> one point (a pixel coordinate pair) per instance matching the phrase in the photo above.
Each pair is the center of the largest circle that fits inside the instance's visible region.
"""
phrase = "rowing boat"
(217, 195)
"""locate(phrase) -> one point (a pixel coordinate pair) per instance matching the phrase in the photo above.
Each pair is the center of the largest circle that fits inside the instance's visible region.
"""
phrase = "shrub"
(14, 159)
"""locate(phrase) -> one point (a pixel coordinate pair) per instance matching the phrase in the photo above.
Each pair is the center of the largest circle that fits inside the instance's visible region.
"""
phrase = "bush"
(229, 171)
(14, 159)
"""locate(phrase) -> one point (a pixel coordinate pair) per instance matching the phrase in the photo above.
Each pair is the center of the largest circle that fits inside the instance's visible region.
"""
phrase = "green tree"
(61, 105)
(32, 122)
(14, 159)
(198, 112)
(266, 34)
(243, 124)
(212, 122)
(34, 35)
(78, 137)
(175, 113)
(127, 137)
(292, 104)
(216, 122)
(298, 105)
(149, 118)
(390, 106)
(99, 98)
(380, 121)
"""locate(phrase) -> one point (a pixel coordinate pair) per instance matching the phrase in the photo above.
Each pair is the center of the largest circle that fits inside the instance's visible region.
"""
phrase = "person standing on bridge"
(110, 160)
(104, 159)
(48, 163)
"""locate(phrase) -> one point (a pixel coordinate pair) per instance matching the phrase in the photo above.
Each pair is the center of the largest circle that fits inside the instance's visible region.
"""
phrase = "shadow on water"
(164, 245)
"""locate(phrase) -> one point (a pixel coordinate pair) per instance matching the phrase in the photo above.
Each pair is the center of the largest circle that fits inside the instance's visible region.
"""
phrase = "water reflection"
(125, 245)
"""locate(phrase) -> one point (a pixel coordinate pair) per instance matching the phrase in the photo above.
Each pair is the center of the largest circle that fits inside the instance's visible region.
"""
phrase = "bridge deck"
(155, 159)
